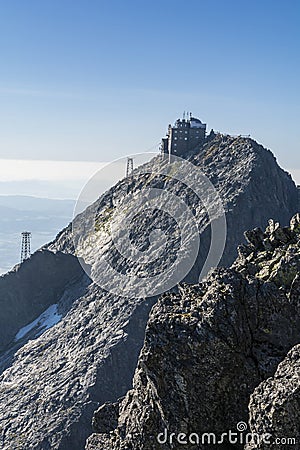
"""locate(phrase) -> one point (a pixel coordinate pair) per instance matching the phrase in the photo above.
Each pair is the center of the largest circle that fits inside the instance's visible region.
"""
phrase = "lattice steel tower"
(129, 168)
(25, 250)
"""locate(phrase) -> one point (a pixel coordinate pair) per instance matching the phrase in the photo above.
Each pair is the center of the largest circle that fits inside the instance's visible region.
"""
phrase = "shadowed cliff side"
(32, 287)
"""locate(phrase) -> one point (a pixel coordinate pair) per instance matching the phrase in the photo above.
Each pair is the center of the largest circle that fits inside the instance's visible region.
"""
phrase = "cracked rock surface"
(275, 406)
(210, 345)
(52, 384)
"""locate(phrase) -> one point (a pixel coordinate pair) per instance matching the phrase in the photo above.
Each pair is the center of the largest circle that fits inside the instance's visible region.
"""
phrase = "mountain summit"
(53, 379)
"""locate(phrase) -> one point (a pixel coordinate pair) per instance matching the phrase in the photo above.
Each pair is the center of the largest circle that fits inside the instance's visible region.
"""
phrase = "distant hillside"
(28, 203)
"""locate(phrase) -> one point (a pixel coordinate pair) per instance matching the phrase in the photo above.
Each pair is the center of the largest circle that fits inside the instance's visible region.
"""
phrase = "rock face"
(252, 187)
(32, 287)
(55, 381)
(207, 348)
(87, 358)
(275, 406)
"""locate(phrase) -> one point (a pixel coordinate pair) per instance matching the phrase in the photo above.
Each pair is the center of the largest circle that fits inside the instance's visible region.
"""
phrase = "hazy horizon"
(114, 75)
(64, 181)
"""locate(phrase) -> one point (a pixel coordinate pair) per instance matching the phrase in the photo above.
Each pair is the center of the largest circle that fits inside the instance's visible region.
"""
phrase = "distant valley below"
(43, 217)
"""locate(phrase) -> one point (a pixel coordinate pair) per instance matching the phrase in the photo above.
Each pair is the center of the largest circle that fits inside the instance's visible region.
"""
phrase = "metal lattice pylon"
(25, 249)
(129, 168)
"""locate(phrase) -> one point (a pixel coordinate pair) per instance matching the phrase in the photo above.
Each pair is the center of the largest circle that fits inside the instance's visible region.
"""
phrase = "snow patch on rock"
(46, 320)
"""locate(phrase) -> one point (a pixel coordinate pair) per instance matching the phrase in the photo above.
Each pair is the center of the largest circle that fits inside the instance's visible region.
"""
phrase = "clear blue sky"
(95, 80)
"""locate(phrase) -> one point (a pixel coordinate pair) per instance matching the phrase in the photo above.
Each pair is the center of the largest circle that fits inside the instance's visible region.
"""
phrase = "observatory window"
(185, 132)
(185, 139)
(175, 137)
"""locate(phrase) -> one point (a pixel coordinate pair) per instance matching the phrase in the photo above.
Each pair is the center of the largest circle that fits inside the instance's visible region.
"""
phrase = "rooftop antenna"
(25, 249)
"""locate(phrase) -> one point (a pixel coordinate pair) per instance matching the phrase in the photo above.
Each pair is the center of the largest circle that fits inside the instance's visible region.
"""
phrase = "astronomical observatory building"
(185, 135)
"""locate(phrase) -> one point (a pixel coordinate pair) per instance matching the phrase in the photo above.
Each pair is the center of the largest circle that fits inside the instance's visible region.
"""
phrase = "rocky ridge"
(274, 405)
(209, 346)
(55, 381)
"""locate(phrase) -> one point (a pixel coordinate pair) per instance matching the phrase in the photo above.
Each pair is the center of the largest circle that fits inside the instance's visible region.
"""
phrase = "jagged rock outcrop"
(106, 417)
(275, 405)
(208, 346)
(55, 382)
